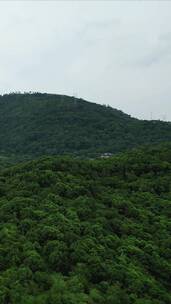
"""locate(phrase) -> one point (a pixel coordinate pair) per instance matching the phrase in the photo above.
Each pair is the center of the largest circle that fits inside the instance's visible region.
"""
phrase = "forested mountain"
(82, 230)
(87, 231)
(44, 124)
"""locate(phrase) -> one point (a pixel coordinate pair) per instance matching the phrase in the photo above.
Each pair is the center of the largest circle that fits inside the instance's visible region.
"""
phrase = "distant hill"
(38, 124)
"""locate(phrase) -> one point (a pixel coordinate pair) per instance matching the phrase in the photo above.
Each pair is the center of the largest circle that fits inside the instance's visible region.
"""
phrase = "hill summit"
(38, 124)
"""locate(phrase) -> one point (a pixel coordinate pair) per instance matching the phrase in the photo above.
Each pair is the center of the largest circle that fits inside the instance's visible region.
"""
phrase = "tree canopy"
(87, 231)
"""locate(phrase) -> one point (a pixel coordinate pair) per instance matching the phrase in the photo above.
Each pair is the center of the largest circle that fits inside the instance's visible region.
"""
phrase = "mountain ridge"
(41, 124)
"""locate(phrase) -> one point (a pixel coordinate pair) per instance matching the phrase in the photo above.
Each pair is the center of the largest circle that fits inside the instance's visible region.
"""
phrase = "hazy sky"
(111, 52)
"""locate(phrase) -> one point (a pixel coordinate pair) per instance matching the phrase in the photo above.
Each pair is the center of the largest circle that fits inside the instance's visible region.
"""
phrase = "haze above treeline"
(107, 52)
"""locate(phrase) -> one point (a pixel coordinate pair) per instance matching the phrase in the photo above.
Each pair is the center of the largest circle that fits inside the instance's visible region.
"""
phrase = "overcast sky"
(116, 53)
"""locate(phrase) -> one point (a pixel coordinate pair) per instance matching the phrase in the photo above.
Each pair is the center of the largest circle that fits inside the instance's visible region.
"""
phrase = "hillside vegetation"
(87, 231)
(44, 124)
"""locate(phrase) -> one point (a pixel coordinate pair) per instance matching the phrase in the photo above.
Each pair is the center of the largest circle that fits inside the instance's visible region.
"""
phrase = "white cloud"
(112, 52)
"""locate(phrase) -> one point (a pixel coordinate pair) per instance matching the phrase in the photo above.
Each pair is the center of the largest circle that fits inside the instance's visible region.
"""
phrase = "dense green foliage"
(87, 231)
(44, 124)
(9, 160)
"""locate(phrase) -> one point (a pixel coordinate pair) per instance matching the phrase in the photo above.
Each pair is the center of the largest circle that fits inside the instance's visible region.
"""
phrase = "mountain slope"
(87, 231)
(37, 124)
